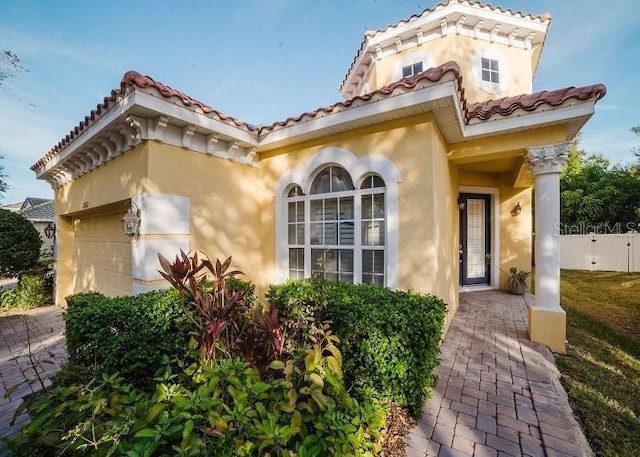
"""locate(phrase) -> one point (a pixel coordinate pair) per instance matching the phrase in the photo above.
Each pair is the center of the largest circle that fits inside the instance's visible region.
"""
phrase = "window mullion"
(357, 238)
(307, 238)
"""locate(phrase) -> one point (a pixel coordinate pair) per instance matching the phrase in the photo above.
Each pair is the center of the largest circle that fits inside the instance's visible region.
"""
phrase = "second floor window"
(490, 70)
(412, 69)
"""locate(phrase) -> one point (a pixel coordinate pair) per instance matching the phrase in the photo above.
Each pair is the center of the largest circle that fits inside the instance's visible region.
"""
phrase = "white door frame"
(494, 192)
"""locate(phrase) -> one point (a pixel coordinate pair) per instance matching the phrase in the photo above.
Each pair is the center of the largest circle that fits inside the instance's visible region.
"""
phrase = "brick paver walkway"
(17, 373)
(498, 394)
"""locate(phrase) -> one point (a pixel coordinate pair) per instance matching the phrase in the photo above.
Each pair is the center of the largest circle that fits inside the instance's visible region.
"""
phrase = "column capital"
(549, 158)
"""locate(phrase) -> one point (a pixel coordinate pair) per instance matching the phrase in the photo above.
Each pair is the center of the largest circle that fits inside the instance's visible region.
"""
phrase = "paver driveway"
(45, 327)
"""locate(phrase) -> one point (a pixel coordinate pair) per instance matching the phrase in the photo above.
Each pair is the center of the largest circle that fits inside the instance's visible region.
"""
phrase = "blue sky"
(264, 60)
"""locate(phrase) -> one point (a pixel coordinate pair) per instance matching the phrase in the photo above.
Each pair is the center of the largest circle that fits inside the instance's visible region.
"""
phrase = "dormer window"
(412, 69)
(490, 70)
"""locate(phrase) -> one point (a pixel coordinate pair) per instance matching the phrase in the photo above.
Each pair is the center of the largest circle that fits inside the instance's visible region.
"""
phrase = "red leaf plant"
(224, 326)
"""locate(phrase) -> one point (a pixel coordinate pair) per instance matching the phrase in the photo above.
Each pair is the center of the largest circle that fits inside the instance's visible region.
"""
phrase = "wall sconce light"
(461, 204)
(131, 222)
(50, 230)
(516, 210)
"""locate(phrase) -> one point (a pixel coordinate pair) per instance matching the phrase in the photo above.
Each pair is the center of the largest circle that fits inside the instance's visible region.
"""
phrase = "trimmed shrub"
(19, 244)
(126, 335)
(389, 339)
(244, 286)
(7, 298)
(32, 290)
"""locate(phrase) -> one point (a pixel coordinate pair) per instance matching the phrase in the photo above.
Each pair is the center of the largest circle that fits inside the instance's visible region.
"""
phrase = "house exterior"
(40, 212)
(413, 180)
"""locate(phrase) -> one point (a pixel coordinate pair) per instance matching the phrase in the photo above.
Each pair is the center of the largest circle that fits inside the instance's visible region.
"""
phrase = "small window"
(412, 69)
(296, 191)
(332, 179)
(490, 70)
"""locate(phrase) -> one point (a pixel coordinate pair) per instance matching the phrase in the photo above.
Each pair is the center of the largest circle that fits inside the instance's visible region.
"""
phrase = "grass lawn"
(601, 370)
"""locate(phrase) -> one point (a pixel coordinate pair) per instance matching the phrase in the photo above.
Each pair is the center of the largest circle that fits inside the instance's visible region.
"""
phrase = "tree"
(598, 197)
(20, 244)
(636, 130)
(9, 66)
(3, 184)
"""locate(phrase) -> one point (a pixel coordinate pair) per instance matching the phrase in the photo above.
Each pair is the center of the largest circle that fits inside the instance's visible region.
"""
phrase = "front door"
(475, 238)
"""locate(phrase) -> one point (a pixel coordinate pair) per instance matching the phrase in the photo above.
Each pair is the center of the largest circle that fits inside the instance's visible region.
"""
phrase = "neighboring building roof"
(41, 212)
(34, 201)
(13, 207)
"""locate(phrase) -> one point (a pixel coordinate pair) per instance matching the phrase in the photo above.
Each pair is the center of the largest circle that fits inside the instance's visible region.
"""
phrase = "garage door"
(101, 255)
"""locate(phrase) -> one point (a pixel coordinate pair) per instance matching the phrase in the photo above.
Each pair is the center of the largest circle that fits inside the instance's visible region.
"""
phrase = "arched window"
(338, 232)
(373, 220)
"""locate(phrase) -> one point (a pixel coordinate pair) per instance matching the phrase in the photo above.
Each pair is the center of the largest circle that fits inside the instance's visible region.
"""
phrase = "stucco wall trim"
(144, 256)
(138, 288)
(190, 116)
(163, 214)
(88, 135)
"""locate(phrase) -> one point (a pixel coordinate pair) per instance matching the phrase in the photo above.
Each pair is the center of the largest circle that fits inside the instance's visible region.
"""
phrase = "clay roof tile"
(530, 102)
(433, 75)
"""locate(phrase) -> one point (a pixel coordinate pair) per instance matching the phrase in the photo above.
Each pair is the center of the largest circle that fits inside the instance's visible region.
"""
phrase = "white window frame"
(412, 69)
(359, 169)
(490, 71)
(410, 59)
(503, 70)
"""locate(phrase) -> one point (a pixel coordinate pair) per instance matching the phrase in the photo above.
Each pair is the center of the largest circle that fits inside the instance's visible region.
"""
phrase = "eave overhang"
(134, 114)
(139, 114)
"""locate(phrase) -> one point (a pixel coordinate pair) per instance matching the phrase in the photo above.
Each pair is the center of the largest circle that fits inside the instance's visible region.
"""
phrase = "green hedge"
(129, 335)
(389, 339)
(33, 290)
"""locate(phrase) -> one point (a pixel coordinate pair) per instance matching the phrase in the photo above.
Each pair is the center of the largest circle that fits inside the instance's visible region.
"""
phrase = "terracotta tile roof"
(481, 111)
(530, 102)
(371, 33)
(432, 75)
(133, 78)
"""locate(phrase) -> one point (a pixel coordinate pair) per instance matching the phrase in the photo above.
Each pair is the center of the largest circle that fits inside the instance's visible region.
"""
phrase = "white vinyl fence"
(610, 252)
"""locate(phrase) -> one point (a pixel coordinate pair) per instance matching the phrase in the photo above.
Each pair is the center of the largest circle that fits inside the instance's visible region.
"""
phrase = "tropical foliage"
(198, 370)
(598, 197)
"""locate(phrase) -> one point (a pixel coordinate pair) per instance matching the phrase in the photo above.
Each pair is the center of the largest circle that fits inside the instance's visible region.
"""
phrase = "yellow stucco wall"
(445, 226)
(232, 205)
(93, 253)
(116, 180)
(228, 200)
(517, 70)
(423, 222)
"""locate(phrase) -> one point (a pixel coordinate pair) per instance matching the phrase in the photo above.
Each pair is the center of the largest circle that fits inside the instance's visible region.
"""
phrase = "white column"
(547, 320)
